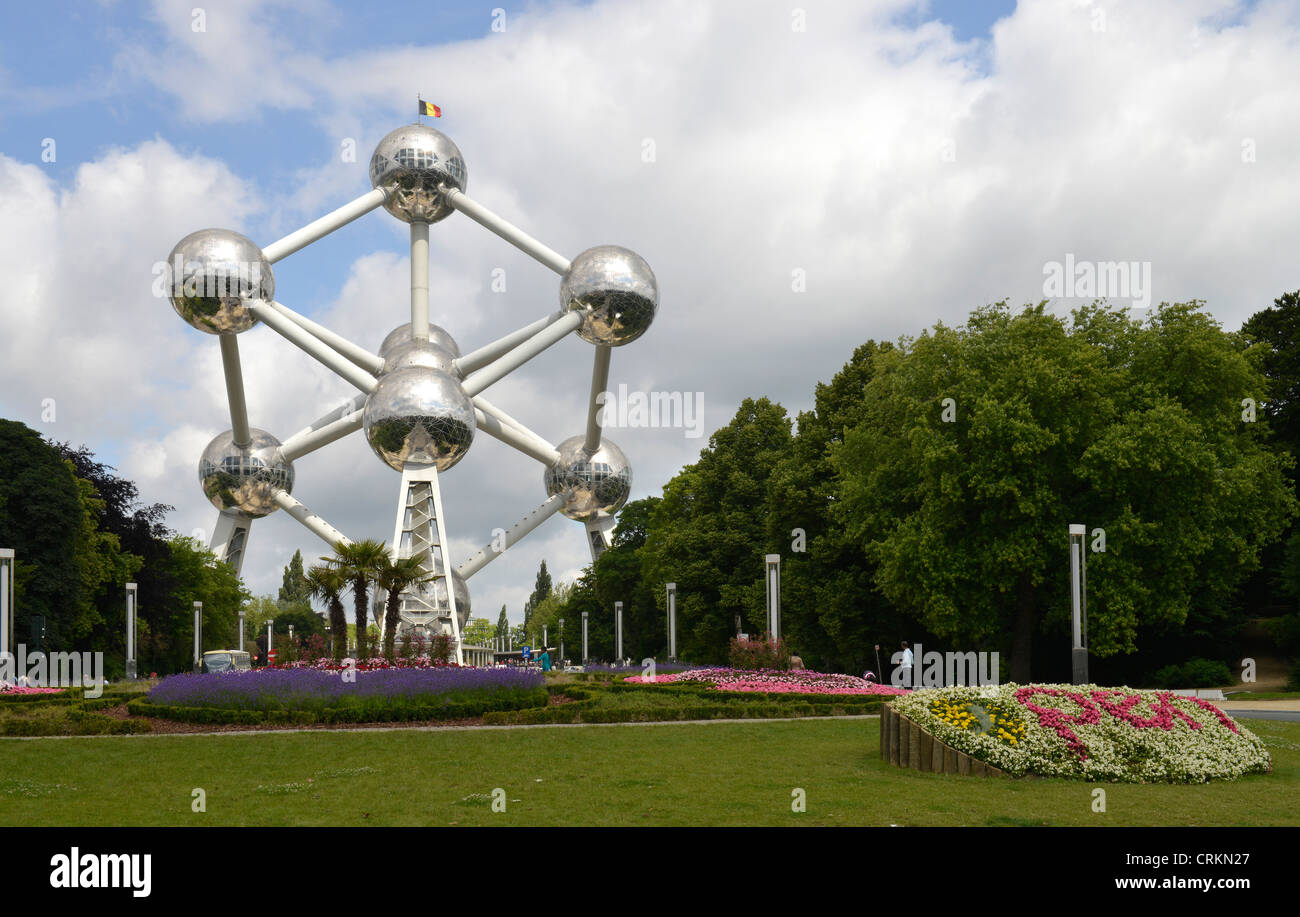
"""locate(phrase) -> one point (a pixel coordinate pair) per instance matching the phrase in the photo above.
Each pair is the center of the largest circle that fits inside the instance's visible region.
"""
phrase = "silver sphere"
(400, 335)
(419, 415)
(615, 291)
(460, 589)
(594, 485)
(419, 354)
(245, 478)
(213, 275)
(410, 163)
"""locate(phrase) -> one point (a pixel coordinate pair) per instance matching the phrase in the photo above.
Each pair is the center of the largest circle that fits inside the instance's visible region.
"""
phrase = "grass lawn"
(733, 773)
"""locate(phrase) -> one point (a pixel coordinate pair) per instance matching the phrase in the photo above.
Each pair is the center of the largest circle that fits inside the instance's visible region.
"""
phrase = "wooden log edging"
(903, 743)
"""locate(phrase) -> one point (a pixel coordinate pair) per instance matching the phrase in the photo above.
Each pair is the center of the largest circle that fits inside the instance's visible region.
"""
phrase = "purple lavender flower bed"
(378, 692)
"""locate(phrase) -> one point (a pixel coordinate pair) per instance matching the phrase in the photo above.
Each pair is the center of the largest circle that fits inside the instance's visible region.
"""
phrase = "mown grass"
(730, 773)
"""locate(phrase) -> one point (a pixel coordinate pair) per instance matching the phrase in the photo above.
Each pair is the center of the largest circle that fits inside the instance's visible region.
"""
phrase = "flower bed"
(1089, 732)
(12, 690)
(771, 681)
(307, 694)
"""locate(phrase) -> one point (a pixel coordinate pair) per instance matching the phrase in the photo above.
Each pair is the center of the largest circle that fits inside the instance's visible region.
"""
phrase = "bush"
(759, 654)
(1194, 673)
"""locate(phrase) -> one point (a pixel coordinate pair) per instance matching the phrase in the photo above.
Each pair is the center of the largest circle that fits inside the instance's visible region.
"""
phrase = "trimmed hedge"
(397, 712)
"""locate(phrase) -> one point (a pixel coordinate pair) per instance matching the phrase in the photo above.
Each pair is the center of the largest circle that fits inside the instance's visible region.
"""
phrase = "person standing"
(546, 661)
(907, 666)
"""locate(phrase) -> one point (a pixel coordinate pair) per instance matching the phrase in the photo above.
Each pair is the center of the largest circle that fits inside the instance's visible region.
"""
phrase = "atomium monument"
(421, 400)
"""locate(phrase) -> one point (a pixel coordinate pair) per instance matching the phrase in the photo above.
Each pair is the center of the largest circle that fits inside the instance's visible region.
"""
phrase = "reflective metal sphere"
(419, 354)
(400, 335)
(615, 290)
(419, 415)
(594, 485)
(461, 590)
(410, 163)
(213, 275)
(245, 478)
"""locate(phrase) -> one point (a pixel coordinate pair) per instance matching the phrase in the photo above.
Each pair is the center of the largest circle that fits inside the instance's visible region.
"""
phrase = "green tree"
(541, 589)
(198, 577)
(503, 624)
(479, 632)
(831, 612)
(709, 532)
(294, 588)
(1131, 427)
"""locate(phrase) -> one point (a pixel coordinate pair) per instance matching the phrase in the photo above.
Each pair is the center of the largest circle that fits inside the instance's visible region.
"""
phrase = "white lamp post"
(198, 634)
(6, 600)
(584, 638)
(241, 630)
(561, 641)
(672, 622)
(774, 595)
(1078, 605)
(130, 630)
(618, 632)
(270, 639)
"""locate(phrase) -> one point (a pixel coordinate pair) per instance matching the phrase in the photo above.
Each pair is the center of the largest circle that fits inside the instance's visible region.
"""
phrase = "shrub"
(759, 654)
(1194, 673)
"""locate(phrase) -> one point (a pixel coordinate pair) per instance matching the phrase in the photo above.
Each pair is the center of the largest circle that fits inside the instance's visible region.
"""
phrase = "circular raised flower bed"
(1084, 732)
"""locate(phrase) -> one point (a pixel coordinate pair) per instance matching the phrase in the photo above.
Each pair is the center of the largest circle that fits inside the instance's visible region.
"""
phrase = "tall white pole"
(521, 354)
(318, 229)
(1078, 651)
(241, 630)
(599, 381)
(235, 389)
(618, 632)
(270, 639)
(353, 353)
(584, 638)
(198, 634)
(420, 281)
(309, 344)
(774, 595)
(561, 641)
(6, 599)
(130, 630)
(477, 359)
(672, 621)
(490, 552)
(511, 233)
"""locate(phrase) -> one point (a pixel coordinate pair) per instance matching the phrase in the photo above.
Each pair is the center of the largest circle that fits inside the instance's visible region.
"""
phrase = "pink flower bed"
(768, 680)
(1059, 721)
(22, 689)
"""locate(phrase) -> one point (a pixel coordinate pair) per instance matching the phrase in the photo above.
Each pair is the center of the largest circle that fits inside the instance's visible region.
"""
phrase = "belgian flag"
(428, 108)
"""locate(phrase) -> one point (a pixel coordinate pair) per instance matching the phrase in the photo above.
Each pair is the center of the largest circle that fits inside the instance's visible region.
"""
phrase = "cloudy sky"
(802, 176)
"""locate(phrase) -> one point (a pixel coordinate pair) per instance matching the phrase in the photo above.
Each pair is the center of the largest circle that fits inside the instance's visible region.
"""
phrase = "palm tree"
(360, 563)
(327, 583)
(396, 576)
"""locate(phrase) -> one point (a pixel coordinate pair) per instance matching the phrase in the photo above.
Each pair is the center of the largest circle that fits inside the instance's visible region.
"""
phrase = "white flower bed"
(1089, 732)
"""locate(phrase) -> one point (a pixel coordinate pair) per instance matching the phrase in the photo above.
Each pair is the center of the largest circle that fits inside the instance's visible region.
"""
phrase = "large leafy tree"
(618, 578)
(197, 577)
(1131, 427)
(709, 532)
(294, 588)
(831, 612)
